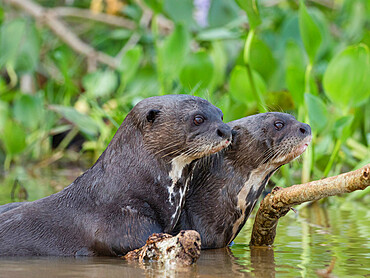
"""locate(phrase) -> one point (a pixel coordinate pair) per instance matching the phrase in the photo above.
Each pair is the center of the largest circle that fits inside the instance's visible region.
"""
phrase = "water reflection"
(212, 263)
(303, 245)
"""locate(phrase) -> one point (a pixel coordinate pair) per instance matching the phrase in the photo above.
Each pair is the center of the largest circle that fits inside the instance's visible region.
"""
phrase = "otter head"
(182, 125)
(272, 139)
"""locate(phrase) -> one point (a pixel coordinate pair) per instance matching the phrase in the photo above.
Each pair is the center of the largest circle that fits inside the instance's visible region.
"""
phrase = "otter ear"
(152, 115)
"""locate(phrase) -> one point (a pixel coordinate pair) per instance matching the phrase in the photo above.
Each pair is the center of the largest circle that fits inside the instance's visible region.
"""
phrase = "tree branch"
(280, 200)
(50, 17)
(99, 17)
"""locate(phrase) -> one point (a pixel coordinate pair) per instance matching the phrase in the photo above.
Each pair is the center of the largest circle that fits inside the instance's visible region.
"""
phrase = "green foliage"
(84, 122)
(172, 54)
(346, 80)
(308, 60)
(101, 83)
(19, 45)
(251, 8)
(197, 71)
(317, 112)
(310, 32)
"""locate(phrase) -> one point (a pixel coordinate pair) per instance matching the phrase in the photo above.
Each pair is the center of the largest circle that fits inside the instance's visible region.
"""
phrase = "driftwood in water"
(181, 249)
(280, 200)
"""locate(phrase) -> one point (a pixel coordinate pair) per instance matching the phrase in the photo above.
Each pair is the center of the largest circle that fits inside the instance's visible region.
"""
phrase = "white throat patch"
(178, 164)
(253, 183)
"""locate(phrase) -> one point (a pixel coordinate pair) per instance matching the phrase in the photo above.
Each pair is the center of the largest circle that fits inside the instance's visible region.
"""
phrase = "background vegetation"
(61, 102)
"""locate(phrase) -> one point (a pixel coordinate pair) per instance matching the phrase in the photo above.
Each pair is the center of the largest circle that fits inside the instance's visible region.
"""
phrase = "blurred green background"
(61, 102)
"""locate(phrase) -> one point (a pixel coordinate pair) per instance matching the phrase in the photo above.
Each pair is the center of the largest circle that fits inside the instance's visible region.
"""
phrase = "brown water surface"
(303, 245)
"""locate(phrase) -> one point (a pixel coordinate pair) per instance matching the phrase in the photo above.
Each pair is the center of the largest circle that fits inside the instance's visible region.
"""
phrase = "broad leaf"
(342, 127)
(197, 71)
(172, 53)
(130, 63)
(251, 8)
(27, 110)
(13, 137)
(83, 122)
(19, 45)
(317, 112)
(100, 83)
(346, 79)
(295, 71)
(240, 85)
(310, 32)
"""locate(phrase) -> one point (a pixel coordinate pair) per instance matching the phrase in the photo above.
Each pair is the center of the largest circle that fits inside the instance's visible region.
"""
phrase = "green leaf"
(83, 122)
(295, 69)
(342, 127)
(251, 8)
(100, 83)
(219, 58)
(197, 70)
(19, 45)
(261, 58)
(180, 11)
(13, 137)
(317, 112)
(4, 110)
(346, 79)
(172, 53)
(155, 5)
(2, 13)
(28, 110)
(310, 32)
(222, 12)
(217, 34)
(130, 63)
(240, 86)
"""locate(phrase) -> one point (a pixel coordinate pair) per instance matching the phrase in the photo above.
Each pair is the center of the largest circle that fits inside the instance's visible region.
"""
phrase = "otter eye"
(279, 125)
(198, 120)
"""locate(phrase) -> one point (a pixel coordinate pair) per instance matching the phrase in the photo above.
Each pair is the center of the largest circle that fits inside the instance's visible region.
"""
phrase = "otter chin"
(225, 187)
(136, 188)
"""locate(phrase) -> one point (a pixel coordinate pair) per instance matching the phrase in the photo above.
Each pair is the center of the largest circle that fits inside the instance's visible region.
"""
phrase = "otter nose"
(224, 131)
(305, 129)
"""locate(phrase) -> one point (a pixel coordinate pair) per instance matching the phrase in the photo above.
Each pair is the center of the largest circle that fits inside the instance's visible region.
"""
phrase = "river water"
(304, 243)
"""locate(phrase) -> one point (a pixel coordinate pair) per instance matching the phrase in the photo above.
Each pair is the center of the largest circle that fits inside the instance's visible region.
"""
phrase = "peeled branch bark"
(280, 200)
(183, 249)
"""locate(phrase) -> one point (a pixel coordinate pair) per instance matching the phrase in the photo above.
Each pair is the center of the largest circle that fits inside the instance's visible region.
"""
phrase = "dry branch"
(280, 200)
(109, 19)
(50, 18)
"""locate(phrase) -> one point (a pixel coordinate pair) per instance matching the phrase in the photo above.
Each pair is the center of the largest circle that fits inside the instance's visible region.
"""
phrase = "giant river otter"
(134, 189)
(226, 186)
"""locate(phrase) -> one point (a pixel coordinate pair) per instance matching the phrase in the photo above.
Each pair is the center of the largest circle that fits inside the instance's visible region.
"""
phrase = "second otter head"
(182, 125)
(269, 138)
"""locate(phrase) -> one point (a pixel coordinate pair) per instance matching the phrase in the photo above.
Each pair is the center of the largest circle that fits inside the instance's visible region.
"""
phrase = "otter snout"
(224, 131)
(304, 130)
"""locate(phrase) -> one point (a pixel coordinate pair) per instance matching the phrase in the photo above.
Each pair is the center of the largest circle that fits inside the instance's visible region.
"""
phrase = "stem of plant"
(12, 76)
(8, 160)
(332, 157)
(307, 78)
(259, 98)
(308, 156)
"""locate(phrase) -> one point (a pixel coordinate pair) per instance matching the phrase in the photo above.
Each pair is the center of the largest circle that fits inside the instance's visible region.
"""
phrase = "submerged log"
(280, 200)
(182, 249)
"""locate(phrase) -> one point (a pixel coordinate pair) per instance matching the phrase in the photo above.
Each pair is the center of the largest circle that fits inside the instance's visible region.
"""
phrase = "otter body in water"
(136, 187)
(226, 186)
